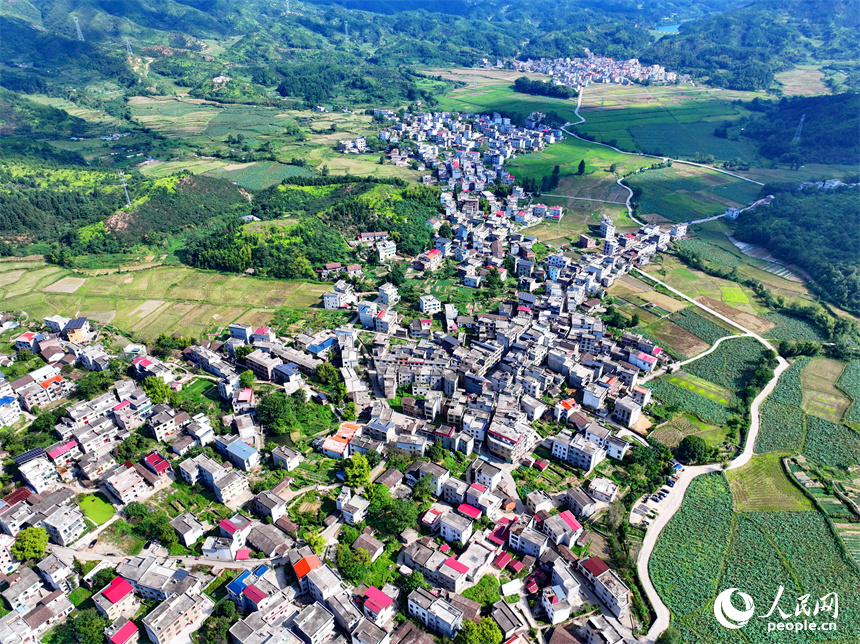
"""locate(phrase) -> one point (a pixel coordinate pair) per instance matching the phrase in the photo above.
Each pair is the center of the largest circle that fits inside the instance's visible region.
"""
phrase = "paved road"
(676, 496)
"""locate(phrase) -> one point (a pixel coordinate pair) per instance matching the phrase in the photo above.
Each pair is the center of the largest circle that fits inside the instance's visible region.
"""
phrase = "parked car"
(93, 543)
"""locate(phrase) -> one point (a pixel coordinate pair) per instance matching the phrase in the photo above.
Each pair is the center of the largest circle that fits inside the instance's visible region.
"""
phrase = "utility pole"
(125, 189)
(78, 28)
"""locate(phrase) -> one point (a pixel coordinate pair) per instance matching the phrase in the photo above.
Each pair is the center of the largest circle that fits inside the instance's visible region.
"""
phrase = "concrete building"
(174, 616)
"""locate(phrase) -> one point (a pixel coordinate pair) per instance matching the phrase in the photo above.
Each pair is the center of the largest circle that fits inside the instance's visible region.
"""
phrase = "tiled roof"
(117, 590)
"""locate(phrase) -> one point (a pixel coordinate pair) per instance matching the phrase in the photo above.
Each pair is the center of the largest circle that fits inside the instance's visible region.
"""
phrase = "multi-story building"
(115, 599)
(64, 524)
(323, 583)
(526, 539)
(578, 450)
(314, 624)
(608, 587)
(126, 484)
(10, 411)
(268, 504)
(262, 364)
(188, 528)
(509, 443)
(454, 527)
(435, 613)
(40, 474)
(175, 615)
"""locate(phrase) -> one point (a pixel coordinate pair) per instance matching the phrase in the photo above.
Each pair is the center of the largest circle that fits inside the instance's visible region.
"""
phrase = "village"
(579, 73)
(464, 420)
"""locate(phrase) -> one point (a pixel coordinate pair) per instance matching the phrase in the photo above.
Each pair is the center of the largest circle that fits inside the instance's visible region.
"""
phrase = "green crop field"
(685, 192)
(152, 301)
(788, 327)
(672, 433)
(677, 121)
(97, 508)
(673, 396)
(700, 326)
(258, 175)
(762, 486)
(708, 547)
(701, 387)
(730, 364)
(849, 382)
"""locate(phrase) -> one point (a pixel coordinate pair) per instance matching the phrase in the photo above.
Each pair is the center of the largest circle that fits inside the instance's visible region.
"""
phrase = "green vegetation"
(706, 548)
(792, 328)
(543, 88)
(731, 365)
(814, 230)
(284, 414)
(485, 592)
(30, 544)
(97, 508)
(831, 443)
(849, 382)
(675, 397)
(762, 486)
(782, 426)
(699, 325)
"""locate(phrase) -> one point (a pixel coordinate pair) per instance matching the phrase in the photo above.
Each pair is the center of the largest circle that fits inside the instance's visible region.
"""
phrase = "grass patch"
(217, 590)
(701, 387)
(97, 508)
(762, 486)
(79, 595)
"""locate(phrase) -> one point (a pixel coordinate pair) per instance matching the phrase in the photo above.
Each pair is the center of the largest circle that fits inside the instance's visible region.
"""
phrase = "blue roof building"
(243, 455)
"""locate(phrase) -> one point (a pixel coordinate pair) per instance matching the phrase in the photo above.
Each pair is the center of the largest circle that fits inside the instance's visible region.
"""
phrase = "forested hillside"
(816, 230)
(370, 44)
(829, 134)
(743, 49)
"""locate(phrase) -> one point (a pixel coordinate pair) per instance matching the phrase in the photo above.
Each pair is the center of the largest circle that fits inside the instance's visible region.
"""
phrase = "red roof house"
(124, 634)
(117, 590)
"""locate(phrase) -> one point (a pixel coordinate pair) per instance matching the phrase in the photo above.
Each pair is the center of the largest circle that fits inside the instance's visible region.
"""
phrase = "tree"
(484, 632)
(397, 274)
(494, 281)
(31, 543)
(240, 353)
(485, 592)
(436, 452)
(423, 490)
(349, 411)
(89, 627)
(156, 389)
(103, 577)
(316, 541)
(445, 231)
(581, 168)
(510, 264)
(414, 581)
(328, 373)
(693, 449)
(247, 379)
(669, 636)
(373, 459)
(357, 471)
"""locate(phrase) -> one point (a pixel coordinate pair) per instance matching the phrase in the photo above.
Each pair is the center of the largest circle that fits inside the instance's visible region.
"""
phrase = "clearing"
(762, 486)
(97, 508)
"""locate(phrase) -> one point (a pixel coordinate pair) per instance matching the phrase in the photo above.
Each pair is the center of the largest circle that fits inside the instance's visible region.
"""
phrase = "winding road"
(676, 495)
(620, 180)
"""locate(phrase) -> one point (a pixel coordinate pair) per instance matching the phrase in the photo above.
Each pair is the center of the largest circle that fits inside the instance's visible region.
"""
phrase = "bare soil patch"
(752, 322)
(65, 285)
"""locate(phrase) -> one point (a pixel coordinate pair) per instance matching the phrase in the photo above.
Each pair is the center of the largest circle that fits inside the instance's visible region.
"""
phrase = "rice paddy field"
(149, 302)
(676, 121)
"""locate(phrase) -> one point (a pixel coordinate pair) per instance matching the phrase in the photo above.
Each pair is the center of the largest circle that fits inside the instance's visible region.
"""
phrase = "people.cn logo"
(726, 613)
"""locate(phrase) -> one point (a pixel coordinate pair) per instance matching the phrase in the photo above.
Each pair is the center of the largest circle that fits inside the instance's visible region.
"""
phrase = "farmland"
(849, 382)
(821, 397)
(700, 326)
(762, 486)
(678, 341)
(707, 547)
(675, 397)
(701, 387)
(683, 193)
(152, 301)
(672, 433)
(831, 443)
(731, 363)
(782, 427)
(677, 121)
(788, 327)
(580, 217)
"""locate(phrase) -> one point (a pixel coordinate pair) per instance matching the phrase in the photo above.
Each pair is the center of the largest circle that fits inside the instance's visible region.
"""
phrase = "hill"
(815, 230)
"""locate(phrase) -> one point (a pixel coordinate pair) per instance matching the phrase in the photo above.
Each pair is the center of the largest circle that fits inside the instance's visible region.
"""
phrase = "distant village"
(579, 73)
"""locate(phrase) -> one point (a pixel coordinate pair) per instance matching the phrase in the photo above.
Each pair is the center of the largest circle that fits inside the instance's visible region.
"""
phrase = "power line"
(125, 189)
(78, 28)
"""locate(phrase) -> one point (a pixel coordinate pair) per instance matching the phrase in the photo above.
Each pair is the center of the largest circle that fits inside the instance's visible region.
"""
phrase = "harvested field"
(821, 397)
(677, 340)
(750, 321)
(65, 285)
